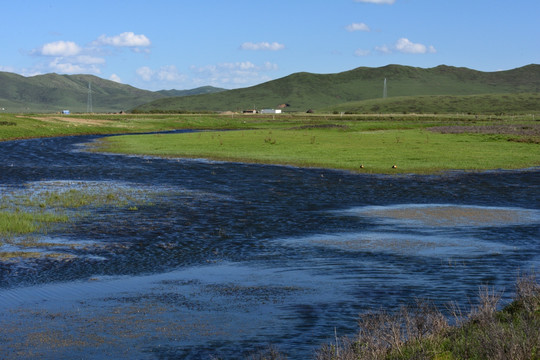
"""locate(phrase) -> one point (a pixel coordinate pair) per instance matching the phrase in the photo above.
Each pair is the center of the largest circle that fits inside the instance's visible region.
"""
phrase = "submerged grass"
(25, 217)
(19, 223)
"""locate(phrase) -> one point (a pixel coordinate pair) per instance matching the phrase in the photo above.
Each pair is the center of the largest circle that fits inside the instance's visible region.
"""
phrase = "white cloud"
(383, 49)
(115, 78)
(125, 39)
(89, 60)
(170, 73)
(166, 74)
(66, 66)
(377, 1)
(405, 46)
(7, 68)
(145, 73)
(357, 27)
(233, 74)
(362, 52)
(60, 48)
(274, 46)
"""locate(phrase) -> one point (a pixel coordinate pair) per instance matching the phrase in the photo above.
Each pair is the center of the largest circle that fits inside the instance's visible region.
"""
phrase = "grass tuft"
(423, 332)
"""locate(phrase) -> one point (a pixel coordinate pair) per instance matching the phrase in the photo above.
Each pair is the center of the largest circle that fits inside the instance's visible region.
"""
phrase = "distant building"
(271, 111)
(249, 111)
(65, 112)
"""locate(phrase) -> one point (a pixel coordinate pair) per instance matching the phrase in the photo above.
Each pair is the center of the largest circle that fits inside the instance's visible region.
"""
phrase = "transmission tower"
(384, 94)
(89, 100)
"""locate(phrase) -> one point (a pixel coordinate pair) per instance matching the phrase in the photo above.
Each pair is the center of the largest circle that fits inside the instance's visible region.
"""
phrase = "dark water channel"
(224, 259)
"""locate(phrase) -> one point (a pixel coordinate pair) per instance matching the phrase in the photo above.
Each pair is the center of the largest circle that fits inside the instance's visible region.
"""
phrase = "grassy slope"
(303, 91)
(53, 92)
(196, 91)
(433, 104)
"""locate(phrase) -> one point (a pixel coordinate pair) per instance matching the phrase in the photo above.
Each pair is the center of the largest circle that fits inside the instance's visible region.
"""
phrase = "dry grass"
(422, 332)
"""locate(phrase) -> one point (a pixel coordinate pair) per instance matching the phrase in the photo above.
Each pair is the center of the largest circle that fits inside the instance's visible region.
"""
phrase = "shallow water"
(206, 258)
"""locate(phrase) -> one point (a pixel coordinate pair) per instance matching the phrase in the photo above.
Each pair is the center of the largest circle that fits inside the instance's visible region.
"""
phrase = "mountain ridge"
(54, 92)
(300, 91)
(303, 91)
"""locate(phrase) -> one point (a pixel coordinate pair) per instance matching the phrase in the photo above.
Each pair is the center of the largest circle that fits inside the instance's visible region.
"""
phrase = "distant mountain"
(53, 92)
(303, 91)
(196, 91)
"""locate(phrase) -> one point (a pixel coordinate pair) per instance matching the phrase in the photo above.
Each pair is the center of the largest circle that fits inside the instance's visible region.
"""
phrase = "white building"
(271, 111)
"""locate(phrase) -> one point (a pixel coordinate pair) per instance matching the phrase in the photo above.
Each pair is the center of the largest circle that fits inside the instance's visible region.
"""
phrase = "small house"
(271, 111)
(65, 112)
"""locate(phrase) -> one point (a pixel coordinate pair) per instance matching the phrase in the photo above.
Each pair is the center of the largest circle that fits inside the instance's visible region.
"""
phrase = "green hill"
(518, 103)
(53, 93)
(196, 91)
(303, 91)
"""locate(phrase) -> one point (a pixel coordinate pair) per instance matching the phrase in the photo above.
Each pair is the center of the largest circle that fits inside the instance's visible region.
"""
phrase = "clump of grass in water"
(38, 213)
(18, 223)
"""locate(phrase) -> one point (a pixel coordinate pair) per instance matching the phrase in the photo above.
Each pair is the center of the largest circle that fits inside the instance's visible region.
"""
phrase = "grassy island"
(401, 144)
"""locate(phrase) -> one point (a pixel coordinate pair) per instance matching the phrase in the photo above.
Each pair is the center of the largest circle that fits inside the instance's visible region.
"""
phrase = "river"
(221, 259)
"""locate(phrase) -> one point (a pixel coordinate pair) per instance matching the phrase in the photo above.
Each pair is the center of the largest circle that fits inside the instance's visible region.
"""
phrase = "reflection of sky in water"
(431, 230)
(442, 215)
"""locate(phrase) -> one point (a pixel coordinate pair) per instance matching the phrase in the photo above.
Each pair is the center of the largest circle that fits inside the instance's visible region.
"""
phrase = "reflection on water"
(193, 259)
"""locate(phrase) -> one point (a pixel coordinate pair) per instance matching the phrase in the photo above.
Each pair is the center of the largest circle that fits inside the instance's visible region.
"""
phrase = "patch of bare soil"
(454, 215)
(72, 120)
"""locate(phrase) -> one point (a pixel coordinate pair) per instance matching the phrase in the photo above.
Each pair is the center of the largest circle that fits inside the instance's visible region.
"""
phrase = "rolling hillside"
(506, 103)
(196, 91)
(53, 93)
(303, 91)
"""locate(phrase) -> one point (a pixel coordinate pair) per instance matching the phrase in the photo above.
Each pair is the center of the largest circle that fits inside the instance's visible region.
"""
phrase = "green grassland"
(359, 144)
(24, 126)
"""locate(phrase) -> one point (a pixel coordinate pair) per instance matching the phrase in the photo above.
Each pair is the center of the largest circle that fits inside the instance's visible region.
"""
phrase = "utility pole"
(384, 94)
(89, 100)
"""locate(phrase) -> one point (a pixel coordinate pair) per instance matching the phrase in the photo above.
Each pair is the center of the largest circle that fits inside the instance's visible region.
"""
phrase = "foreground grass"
(423, 332)
(414, 150)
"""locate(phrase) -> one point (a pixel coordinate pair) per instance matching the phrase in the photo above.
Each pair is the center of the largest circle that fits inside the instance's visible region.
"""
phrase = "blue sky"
(166, 44)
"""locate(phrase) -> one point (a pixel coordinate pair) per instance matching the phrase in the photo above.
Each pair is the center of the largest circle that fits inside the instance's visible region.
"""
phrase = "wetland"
(148, 257)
